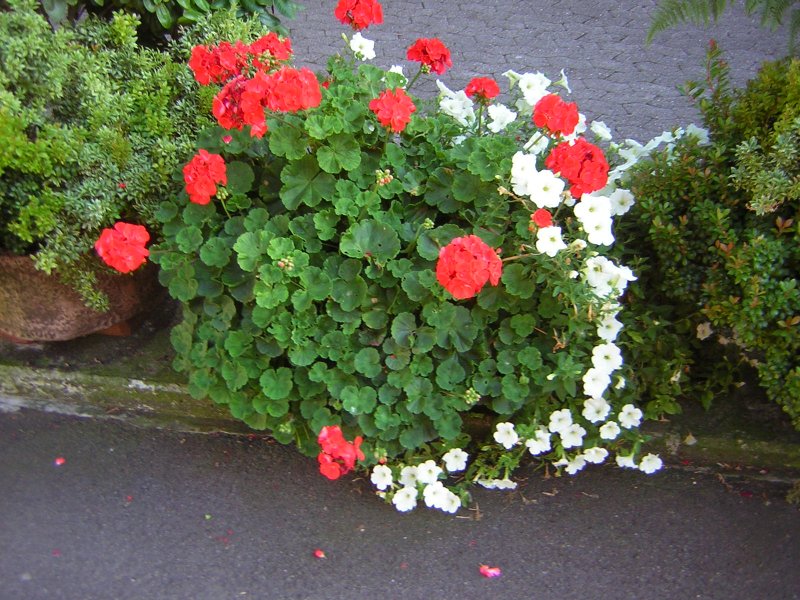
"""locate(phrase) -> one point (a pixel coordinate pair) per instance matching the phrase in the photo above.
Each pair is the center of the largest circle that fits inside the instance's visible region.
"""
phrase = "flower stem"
(414, 79)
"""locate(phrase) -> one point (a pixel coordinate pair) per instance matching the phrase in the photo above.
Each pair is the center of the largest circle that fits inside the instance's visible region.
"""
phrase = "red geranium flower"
(292, 90)
(201, 175)
(542, 217)
(359, 14)
(465, 265)
(123, 247)
(485, 88)
(393, 109)
(432, 53)
(227, 104)
(582, 164)
(338, 456)
(552, 113)
(217, 64)
(277, 47)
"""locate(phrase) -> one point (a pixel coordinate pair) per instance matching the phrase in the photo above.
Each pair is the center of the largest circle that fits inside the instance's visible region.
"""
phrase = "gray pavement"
(600, 45)
(147, 514)
(150, 515)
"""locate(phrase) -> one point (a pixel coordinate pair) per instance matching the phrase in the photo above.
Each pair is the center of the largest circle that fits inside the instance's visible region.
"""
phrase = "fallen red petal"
(319, 553)
(56, 552)
(490, 572)
(60, 461)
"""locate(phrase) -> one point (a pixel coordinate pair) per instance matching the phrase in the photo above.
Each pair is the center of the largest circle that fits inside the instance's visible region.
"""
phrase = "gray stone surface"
(600, 45)
(140, 514)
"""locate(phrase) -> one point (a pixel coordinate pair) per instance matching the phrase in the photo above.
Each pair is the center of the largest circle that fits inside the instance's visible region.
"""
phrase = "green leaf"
(237, 343)
(449, 373)
(531, 358)
(342, 152)
(403, 328)
(386, 419)
(359, 401)
(240, 177)
(250, 250)
(304, 183)
(325, 221)
(276, 384)
(349, 295)
(216, 252)
(375, 319)
(368, 362)
(235, 375)
(316, 282)
(289, 142)
(369, 238)
(413, 437)
(517, 281)
(189, 239)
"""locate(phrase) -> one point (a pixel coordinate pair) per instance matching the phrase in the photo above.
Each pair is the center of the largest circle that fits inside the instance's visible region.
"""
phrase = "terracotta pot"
(37, 307)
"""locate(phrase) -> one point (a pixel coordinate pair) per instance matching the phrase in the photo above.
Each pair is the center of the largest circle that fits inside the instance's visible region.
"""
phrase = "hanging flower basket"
(38, 307)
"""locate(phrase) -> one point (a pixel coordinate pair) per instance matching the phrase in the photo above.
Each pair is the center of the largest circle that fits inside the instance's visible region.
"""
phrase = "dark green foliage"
(717, 226)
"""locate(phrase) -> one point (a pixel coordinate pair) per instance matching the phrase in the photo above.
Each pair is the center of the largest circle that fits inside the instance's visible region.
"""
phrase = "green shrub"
(93, 128)
(717, 226)
(164, 18)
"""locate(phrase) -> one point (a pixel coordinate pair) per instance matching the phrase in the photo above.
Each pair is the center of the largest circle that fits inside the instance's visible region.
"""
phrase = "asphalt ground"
(144, 514)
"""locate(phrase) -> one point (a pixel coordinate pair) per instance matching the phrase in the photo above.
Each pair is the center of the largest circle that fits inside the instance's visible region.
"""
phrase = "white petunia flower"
(545, 189)
(596, 409)
(539, 443)
(576, 464)
(399, 70)
(629, 416)
(560, 420)
(595, 455)
(405, 499)
(572, 436)
(428, 472)
(592, 209)
(537, 144)
(607, 357)
(497, 484)
(456, 104)
(408, 476)
(533, 87)
(650, 464)
(608, 328)
(599, 232)
(505, 435)
(626, 462)
(455, 460)
(381, 477)
(450, 503)
(549, 241)
(610, 431)
(363, 48)
(601, 130)
(699, 132)
(523, 169)
(501, 117)
(434, 494)
(621, 201)
(595, 382)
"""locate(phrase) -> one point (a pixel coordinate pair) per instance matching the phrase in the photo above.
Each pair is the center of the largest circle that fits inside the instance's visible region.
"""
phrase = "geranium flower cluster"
(255, 78)
(123, 247)
(337, 456)
(465, 265)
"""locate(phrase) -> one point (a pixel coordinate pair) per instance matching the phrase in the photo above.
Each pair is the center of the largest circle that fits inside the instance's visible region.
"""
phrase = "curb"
(163, 405)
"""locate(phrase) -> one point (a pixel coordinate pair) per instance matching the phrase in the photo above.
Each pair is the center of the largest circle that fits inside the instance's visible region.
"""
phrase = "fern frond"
(671, 13)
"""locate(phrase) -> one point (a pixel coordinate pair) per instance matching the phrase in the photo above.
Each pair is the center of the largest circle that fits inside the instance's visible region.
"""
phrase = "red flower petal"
(60, 461)
(490, 572)
(319, 553)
